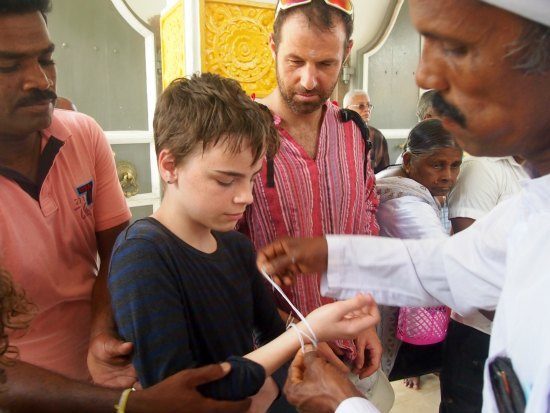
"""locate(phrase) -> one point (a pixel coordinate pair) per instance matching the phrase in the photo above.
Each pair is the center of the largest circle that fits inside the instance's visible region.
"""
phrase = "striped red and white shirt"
(312, 197)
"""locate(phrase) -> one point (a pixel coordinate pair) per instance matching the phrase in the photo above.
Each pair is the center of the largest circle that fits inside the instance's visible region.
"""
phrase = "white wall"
(146, 8)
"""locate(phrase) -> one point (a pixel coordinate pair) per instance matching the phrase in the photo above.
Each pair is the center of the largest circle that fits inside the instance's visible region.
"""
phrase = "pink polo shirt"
(48, 241)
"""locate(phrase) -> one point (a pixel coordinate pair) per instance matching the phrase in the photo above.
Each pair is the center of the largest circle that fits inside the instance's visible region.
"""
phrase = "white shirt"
(356, 405)
(501, 262)
(409, 217)
(483, 183)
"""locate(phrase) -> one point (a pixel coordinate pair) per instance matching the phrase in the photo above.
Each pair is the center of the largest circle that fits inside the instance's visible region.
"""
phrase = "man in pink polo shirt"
(60, 212)
(61, 207)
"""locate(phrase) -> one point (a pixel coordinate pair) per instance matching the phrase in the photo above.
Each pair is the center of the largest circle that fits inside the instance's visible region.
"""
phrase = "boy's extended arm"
(341, 319)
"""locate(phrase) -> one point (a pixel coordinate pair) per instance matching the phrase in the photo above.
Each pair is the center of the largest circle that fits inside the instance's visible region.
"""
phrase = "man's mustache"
(447, 110)
(36, 96)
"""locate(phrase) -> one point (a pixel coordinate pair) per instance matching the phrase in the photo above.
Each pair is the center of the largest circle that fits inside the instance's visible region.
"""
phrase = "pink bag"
(423, 325)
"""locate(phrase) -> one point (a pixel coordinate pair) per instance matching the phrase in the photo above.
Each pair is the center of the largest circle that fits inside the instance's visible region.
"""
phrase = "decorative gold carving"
(172, 44)
(236, 43)
(127, 176)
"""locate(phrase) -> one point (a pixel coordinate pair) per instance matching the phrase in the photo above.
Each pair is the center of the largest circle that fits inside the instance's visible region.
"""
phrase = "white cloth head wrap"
(536, 10)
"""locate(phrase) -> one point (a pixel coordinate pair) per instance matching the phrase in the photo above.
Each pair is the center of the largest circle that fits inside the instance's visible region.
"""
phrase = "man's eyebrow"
(16, 55)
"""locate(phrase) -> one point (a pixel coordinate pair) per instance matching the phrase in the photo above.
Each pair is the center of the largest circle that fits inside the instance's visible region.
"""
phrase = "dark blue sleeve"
(149, 310)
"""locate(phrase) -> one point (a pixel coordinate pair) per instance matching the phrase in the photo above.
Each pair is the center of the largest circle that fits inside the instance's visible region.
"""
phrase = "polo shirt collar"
(48, 153)
(56, 129)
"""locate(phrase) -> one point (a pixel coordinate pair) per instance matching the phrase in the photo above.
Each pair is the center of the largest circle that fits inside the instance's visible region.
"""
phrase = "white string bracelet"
(301, 334)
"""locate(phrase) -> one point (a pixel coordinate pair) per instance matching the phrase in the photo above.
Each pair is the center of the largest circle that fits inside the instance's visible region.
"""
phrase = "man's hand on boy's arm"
(32, 389)
(178, 394)
(109, 358)
(369, 353)
(110, 363)
(286, 257)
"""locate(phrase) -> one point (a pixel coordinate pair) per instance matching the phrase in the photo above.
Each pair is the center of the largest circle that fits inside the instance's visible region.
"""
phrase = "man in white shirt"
(472, 48)
(483, 183)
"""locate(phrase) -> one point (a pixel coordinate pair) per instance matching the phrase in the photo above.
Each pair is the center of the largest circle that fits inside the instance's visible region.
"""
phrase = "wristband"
(120, 407)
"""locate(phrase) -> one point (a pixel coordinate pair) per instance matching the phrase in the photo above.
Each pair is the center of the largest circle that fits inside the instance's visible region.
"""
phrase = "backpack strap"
(347, 115)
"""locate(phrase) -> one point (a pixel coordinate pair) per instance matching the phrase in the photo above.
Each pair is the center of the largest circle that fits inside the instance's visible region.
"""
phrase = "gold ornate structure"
(127, 176)
(172, 44)
(234, 42)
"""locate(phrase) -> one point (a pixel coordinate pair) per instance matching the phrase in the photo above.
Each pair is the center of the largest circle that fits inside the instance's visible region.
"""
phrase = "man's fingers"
(368, 372)
(310, 357)
(296, 370)
(326, 352)
(207, 374)
(115, 348)
(360, 359)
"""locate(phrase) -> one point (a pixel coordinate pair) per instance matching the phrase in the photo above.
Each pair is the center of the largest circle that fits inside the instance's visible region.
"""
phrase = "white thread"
(301, 334)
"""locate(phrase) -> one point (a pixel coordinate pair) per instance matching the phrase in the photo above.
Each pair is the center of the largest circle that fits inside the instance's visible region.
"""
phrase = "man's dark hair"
(319, 15)
(25, 6)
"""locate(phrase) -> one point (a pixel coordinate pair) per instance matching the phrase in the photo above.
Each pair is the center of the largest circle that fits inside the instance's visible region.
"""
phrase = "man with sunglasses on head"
(359, 101)
(501, 262)
(321, 181)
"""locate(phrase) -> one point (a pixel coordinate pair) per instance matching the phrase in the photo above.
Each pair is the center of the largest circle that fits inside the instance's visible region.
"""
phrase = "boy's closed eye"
(225, 183)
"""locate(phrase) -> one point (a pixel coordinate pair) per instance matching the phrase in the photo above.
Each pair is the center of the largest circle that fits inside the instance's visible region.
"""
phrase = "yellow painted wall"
(172, 44)
(234, 43)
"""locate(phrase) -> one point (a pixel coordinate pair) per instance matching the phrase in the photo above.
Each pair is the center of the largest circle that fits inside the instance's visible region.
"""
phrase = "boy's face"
(214, 187)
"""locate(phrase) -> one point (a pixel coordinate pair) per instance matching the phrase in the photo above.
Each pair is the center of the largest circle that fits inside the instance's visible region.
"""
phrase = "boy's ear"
(167, 166)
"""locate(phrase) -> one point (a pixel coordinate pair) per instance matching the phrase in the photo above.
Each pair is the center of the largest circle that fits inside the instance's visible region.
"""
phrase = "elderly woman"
(409, 208)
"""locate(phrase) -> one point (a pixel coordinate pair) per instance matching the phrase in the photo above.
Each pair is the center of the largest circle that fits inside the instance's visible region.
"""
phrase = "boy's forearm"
(31, 389)
(277, 352)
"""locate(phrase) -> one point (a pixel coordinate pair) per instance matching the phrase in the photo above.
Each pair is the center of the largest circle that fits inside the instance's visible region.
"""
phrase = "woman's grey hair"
(351, 94)
(428, 136)
(530, 53)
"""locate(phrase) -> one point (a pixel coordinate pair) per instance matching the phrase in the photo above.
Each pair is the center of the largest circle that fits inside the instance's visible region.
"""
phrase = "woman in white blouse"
(409, 209)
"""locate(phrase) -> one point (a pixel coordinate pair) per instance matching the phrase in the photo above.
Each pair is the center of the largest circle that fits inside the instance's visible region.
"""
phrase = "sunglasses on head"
(343, 5)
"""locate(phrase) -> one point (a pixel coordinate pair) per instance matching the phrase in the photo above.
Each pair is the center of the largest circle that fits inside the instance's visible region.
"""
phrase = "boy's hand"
(287, 257)
(343, 319)
(109, 362)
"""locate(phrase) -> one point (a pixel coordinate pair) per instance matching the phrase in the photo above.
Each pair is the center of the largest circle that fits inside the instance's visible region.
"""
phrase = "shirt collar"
(57, 128)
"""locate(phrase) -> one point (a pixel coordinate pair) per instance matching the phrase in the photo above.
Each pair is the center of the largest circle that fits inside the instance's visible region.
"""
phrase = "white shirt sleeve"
(409, 217)
(476, 191)
(464, 272)
(356, 405)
